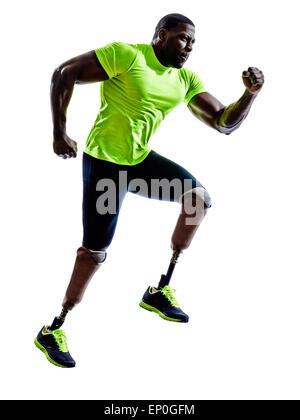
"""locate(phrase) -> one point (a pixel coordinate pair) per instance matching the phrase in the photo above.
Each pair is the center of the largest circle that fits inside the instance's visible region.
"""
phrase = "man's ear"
(162, 34)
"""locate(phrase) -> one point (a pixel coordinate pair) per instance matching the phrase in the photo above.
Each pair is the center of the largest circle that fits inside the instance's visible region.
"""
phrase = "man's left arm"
(227, 119)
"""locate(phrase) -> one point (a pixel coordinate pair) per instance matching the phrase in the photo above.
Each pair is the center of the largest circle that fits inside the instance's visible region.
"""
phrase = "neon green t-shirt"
(138, 95)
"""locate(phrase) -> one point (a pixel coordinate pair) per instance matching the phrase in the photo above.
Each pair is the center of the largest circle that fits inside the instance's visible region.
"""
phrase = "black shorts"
(105, 185)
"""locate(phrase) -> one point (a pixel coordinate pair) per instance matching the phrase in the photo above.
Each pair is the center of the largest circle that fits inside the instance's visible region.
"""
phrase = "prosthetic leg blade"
(84, 269)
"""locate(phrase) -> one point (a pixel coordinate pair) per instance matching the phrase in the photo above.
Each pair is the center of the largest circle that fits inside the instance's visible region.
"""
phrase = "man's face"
(178, 44)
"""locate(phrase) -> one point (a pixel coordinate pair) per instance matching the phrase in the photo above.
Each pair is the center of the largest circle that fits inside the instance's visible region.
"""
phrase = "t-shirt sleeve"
(196, 86)
(116, 58)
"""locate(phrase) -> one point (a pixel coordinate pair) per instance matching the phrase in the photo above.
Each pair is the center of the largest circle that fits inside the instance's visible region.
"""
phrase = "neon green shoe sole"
(152, 309)
(39, 346)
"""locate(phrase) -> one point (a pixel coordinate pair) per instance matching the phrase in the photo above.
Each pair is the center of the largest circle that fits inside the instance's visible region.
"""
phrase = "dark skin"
(79, 70)
(169, 46)
(172, 48)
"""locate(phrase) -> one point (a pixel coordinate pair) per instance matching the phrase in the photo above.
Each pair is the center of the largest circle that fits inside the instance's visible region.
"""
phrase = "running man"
(140, 85)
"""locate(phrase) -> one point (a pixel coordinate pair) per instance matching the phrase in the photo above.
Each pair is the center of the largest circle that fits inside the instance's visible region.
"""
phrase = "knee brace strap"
(199, 192)
(99, 256)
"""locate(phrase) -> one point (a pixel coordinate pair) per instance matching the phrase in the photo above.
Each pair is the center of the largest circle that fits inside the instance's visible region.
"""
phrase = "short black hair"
(170, 21)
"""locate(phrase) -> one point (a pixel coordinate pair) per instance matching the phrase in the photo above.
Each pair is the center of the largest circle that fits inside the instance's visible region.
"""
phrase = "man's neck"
(158, 52)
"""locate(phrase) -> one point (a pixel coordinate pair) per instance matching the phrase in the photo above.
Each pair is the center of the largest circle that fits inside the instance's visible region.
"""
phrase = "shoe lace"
(168, 293)
(61, 340)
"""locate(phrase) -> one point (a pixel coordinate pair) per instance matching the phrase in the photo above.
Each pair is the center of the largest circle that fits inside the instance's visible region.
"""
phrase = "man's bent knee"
(198, 195)
(195, 203)
(99, 256)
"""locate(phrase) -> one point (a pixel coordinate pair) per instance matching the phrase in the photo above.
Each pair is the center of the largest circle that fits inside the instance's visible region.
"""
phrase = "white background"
(239, 280)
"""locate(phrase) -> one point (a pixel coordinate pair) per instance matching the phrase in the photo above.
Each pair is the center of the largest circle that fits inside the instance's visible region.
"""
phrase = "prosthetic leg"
(162, 300)
(86, 264)
(52, 340)
(194, 203)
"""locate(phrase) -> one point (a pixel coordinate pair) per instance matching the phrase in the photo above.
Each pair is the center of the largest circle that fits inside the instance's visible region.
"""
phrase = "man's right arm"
(82, 69)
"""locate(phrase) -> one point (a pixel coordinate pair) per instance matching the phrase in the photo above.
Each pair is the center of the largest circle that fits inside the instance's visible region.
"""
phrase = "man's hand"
(253, 79)
(65, 147)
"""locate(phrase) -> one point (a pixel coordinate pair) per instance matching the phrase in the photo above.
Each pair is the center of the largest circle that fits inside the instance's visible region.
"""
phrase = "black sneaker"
(54, 345)
(163, 302)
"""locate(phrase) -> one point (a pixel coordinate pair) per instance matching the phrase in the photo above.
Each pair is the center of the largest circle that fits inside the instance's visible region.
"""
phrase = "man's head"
(174, 37)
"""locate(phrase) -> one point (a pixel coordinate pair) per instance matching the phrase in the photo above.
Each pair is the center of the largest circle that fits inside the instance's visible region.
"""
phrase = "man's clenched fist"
(65, 147)
(253, 79)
